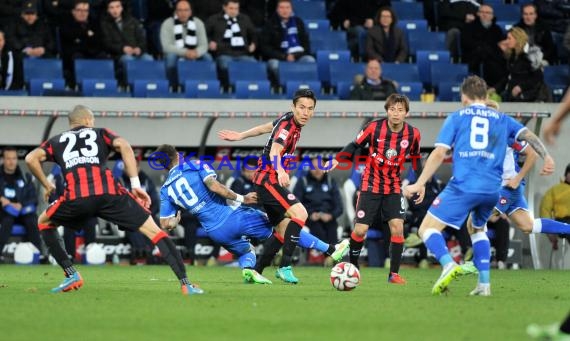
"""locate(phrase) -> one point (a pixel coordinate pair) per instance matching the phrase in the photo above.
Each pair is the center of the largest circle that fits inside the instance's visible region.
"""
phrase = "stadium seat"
(145, 70)
(196, 70)
(561, 50)
(317, 26)
(345, 72)
(425, 58)
(39, 86)
(292, 86)
(203, 89)
(99, 87)
(401, 72)
(505, 25)
(331, 40)
(151, 88)
(423, 40)
(297, 72)
(442, 72)
(413, 25)
(98, 69)
(449, 91)
(408, 10)
(343, 89)
(140, 9)
(46, 69)
(246, 71)
(253, 89)
(308, 10)
(557, 78)
(325, 58)
(507, 12)
(413, 90)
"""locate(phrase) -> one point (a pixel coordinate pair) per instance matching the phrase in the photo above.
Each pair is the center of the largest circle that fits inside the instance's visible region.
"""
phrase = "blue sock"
(247, 260)
(436, 244)
(308, 241)
(543, 225)
(482, 256)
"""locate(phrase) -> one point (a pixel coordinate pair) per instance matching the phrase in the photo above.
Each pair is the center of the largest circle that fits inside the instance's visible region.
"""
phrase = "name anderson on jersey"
(94, 160)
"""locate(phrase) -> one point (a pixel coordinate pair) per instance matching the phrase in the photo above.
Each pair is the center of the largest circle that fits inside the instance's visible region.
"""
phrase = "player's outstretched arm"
(221, 190)
(538, 146)
(170, 223)
(34, 161)
(552, 128)
(123, 147)
(231, 135)
(529, 162)
(433, 162)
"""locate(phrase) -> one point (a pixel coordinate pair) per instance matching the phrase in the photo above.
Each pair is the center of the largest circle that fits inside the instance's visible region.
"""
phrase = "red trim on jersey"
(356, 238)
(277, 196)
(98, 183)
(110, 183)
(397, 239)
(51, 209)
(43, 227)
(70, 180)
(83, 184)
(298, 221)
(279, 237)
(160, 235)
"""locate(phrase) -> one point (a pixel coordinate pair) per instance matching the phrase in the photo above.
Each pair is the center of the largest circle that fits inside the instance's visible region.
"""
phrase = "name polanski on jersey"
(93, 160)
(479, 112)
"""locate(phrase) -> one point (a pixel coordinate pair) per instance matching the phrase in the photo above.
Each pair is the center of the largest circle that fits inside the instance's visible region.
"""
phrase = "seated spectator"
(31, 35)
(372, 87)
(453, 16)
(284, 38)
(183, 36)
(9, 10)
(81, 39)
(19, 200)
(386, 42)
(356, 17)
(158, 11)
(244, 183)
(537, 32)
(479, 43)
(11, 67)
(320, 195)
(232, 37)
(554, 13)
(123, 36)
(524, 81)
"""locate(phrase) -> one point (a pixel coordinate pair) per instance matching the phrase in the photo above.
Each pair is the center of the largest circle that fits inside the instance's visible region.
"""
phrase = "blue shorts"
(242, 224)
(452, 206)
(511, 200)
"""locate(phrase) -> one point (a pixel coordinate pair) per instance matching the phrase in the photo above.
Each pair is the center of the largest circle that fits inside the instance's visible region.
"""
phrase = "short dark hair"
(304, 93)
(474, 87)
(9, 149)
(165, 156)
(397, 98)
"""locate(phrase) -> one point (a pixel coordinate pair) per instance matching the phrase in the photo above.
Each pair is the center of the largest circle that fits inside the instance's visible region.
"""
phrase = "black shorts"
(369, 205)
(121, 209)
(276, 200)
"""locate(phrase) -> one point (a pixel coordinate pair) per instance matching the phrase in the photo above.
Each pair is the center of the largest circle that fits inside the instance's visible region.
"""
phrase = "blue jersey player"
(479, 136)
(192, 186)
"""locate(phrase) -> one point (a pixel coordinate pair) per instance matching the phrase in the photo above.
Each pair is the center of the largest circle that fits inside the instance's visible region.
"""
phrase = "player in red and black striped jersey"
(272, 180)
(390, 143)
(91, 190)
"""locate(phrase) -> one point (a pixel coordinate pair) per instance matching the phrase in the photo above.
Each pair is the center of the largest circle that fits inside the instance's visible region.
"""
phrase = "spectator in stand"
(158, 11)
(11, 68)
(384, 41)
(479, 44)
(232, 37)
(244, 183)
(453, 16)
(204, 9)
(524, 81)
(183, 36)
(31, 35)
(356, 17)
(81, 38)
(555, 203)
(320, 195)
(537, 32)
(555, 14)
(19, 200)
(284, 38)
(372, 87)
(123, 35)
(9, 10)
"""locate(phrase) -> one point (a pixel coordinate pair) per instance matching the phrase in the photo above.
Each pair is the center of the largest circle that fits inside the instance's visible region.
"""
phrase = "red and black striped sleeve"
(48, 148)
(282, 132)
(108, 136)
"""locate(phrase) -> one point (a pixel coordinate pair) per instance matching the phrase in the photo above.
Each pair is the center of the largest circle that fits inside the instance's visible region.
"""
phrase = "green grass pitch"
(144, 303)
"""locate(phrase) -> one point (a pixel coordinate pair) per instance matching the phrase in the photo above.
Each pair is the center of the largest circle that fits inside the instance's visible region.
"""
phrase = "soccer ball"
(345, 276)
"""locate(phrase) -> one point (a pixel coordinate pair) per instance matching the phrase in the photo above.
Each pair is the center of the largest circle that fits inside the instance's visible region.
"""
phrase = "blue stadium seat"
(99, 87)
(325, 58)
(39, 86)
(196, 70)
(292, 86)
(297, 72)
(246, 71)
(331, 40)
(505, 25)
(442, 72)
(42, 68)
(411, 89)
(561, 51)
(343, 89)
(317, 26)
(425, 58)
(151, 88)
(401, 72)
(308, 10)
(412, 25)
(145, 70)
(507, 12)
(557, 78)
(345, 72)
(408, 10)
(94, 69)
(140, 9)
(422, 40)
(203, 89)
(253, 89)
(449, 91)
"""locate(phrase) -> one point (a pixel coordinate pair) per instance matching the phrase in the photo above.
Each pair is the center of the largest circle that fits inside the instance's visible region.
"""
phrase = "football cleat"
(395, 278)
(481, 290)
(340, 250)
(286, 274)
(73, 282)
(252, 276)
(468, 268)
(191, 289)
(448, 274)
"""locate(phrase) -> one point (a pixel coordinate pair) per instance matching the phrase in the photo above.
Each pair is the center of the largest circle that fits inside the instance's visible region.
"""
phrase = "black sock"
(355, 248)
(290, 242)
(53, 242)
(330, 250)
(565, 326)
(172, 256)
(396, 250)
(270, 248)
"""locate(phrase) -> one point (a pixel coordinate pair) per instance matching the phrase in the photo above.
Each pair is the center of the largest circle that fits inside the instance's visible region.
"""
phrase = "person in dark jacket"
(373, 87)
(19, 200)
(11, 67)
(9, 10)
(537, 32)
(555, 14)
(453, 16)
(31, 35)
(386, 42)
(319, 193)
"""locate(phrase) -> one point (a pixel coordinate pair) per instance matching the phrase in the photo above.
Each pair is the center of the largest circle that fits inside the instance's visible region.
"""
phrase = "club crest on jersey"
(360, 214)
(391, 153)
(436, 202)
(283, 134)
(291, 196)
(404, 144)
(503, 201)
